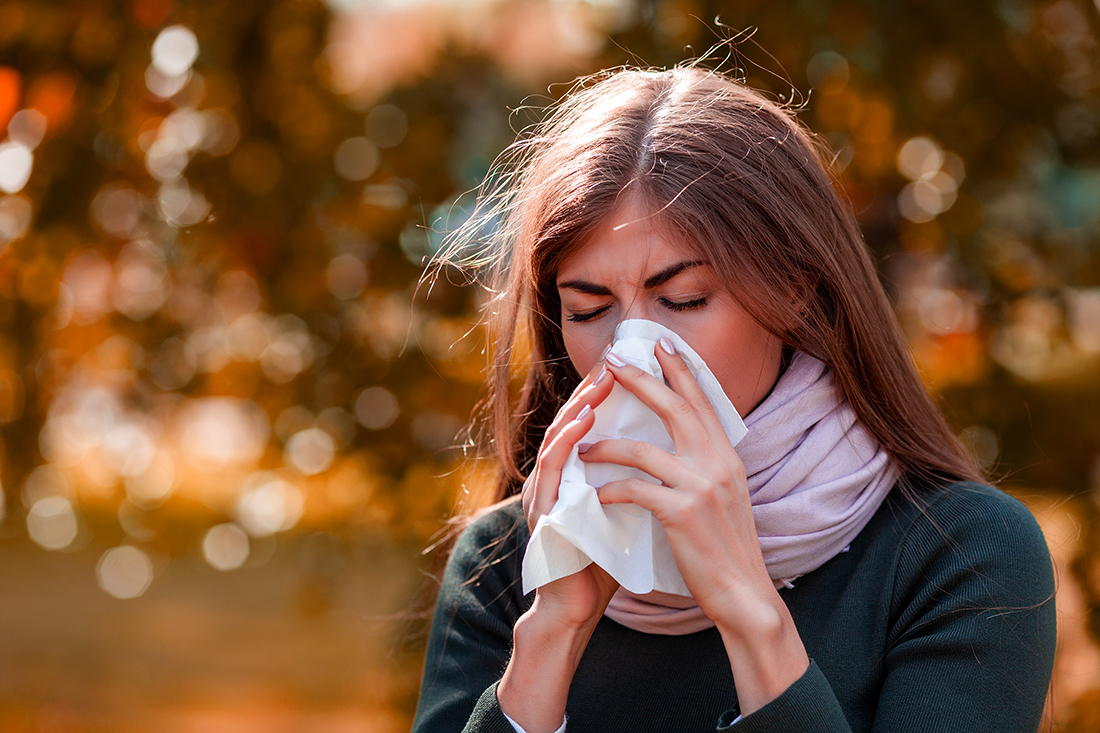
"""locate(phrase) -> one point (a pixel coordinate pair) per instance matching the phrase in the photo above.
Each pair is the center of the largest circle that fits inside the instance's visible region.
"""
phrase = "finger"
(683, 382)
(544, 489)
(649, 496)
(593, 390)
(677, 413)
(527, 492)
(659, 464)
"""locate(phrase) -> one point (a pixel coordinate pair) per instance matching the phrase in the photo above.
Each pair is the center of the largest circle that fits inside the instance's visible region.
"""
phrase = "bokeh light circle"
(174, 50)
(225, 546)
(27, 127)
(376, 408)
(51, 522)
(16, 162)
(310, 451)
(273, 506)
(918, 157)
(356, 159)
(124, 572)
(345, 276)
(15, 218)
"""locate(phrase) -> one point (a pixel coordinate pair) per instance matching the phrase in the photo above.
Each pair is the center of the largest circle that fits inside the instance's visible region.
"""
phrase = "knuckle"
(708, 493)
(681, 407)
(724, 476)
(702, 404)
(624, 489)
(640, 449)
(736, 469)
(679, 512)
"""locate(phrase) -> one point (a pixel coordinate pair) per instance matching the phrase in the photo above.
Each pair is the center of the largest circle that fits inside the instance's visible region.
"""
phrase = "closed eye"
(586, 316)
(684, 305)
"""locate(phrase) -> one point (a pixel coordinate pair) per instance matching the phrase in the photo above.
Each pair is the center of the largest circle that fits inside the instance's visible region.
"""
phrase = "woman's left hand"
(704, 507)
(703, 500)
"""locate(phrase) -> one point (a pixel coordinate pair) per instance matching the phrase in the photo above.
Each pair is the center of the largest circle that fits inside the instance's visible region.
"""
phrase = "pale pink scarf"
(816, 476)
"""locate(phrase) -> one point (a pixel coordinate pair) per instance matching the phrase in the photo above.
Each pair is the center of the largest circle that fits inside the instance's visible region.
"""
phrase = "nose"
(637, 307)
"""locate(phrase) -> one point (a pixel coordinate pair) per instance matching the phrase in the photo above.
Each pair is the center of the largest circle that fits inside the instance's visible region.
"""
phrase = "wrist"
(546, 633)
(551, 615)
(765, 650)
(545, 654)
(753, 620)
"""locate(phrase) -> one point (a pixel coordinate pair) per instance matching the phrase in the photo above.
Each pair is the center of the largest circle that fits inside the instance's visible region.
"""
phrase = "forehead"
(631, 244)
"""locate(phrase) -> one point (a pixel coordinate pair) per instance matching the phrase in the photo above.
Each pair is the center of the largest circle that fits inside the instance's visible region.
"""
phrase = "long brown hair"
(743, 181)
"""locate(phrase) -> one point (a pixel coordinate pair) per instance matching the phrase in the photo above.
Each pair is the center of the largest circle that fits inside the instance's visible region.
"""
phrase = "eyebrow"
(651, 282)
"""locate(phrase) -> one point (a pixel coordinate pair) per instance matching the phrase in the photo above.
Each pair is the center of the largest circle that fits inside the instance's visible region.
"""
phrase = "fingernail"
(604, 354)
(667, 345)
(584, 413)
(615, 360)
(603, 376)
(583, 447)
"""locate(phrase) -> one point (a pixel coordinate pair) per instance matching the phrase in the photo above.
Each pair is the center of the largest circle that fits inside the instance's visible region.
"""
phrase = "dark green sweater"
(942, 621)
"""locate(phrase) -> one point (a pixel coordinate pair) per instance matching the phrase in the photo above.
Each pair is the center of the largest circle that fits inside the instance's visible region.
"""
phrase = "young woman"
(848, 570)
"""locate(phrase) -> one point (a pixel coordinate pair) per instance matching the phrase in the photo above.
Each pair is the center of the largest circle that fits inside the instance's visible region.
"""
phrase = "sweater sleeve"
(972, 630)
(807, 705)
(471, 633)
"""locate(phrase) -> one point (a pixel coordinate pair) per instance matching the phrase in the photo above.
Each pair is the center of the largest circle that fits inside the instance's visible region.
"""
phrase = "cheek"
(745, 360)
(585, 343)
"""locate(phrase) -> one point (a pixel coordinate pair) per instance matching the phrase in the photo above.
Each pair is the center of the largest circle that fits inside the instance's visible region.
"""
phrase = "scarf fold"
(816, 476)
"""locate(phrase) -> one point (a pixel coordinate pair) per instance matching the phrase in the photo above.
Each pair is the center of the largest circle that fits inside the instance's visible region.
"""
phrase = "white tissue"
(623, 539)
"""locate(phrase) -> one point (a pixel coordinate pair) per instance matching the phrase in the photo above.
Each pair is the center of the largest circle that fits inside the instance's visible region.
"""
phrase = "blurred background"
(229, 416)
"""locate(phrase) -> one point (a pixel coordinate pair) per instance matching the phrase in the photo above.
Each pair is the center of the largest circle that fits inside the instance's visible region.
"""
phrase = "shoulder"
(974, 591)
(974, 544)
(486, 561)
(952, 516)
(493, 530)
(973, 500)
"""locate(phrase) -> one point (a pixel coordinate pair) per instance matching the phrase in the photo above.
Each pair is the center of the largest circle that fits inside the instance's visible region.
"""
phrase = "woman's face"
(634, 268)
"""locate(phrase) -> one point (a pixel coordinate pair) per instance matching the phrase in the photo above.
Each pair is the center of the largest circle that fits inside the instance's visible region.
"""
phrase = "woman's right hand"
(549, 640)
(580, 599)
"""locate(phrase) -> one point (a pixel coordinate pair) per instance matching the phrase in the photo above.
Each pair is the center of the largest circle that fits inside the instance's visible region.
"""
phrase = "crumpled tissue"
(623, 539)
